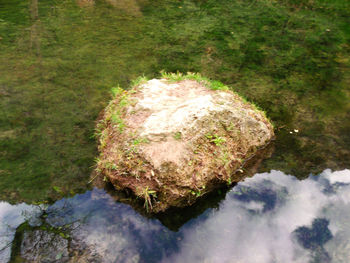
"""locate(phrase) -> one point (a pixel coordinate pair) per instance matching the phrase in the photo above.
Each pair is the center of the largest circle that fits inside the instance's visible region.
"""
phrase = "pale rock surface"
(186, 107)
(193, 139)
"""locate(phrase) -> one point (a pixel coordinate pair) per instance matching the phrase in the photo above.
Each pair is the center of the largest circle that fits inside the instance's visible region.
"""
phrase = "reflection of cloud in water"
(257, 221)
(111, 231)
(270, 217)
(11, 216)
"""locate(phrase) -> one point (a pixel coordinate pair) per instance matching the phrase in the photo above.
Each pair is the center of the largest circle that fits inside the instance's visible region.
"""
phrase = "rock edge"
(170, 142)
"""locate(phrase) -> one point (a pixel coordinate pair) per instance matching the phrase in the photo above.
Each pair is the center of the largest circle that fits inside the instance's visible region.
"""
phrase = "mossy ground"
(290, 57)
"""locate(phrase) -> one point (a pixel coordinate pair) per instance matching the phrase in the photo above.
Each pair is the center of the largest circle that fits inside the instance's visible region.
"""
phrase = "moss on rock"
(174, 139)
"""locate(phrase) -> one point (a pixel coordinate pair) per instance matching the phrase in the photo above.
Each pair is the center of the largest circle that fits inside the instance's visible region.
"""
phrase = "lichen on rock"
(172, 140)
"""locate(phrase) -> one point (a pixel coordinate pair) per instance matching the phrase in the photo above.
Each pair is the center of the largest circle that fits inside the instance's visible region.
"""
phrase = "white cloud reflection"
(242, 231)
(106, 231)
(255, 223)
(11, 216)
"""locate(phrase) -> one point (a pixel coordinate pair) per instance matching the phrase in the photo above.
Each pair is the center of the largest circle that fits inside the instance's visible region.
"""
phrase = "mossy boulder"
(172, 140)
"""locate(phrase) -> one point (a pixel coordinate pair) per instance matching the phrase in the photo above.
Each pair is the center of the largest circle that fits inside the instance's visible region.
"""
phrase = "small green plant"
(148, 194)
(111, 166)
(139, 81)
(103, 139)
(57, 189)
(105, 179)
(114, 110)
(196, 193)
(97, 161)
(177, 136)
(123, 101)
(217, 85)
(138, 141)
(117, 91)
(178, 76)
(98, 170)
(99, 129)
(116, 119)
(199, 192)
(217, 140)
(135, 143)
(225, 158)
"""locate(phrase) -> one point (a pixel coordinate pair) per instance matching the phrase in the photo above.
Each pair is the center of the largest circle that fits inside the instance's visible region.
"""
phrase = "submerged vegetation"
(58, 62)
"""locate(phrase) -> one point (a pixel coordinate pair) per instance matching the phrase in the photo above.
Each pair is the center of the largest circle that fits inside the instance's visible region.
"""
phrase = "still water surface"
(272, 217)
(58, 61)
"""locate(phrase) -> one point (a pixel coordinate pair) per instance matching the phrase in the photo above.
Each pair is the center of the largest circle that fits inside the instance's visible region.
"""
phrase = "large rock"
(170, 141)
(43, 246)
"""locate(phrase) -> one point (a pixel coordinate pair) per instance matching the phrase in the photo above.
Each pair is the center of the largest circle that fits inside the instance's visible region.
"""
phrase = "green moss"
(114, 111)
(140, 140)
(110, 166)
(116, 91)
(117, 120)
(178, 136)
(139, 81)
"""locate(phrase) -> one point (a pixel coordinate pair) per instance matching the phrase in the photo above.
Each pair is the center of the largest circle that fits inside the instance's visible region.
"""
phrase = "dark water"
(58, 61)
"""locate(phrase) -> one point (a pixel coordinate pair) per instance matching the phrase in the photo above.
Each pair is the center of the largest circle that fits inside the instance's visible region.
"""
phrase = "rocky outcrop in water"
(172, 140)
(43, 246)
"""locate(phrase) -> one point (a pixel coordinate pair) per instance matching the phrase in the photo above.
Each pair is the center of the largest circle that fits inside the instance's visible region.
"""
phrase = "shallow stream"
(58, 62)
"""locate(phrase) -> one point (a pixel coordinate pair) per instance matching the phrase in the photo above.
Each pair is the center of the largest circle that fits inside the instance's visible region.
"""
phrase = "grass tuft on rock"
(178, 76)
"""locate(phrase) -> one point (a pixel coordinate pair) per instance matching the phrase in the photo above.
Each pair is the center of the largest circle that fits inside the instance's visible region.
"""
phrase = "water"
(272, 217)
(58, 61)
